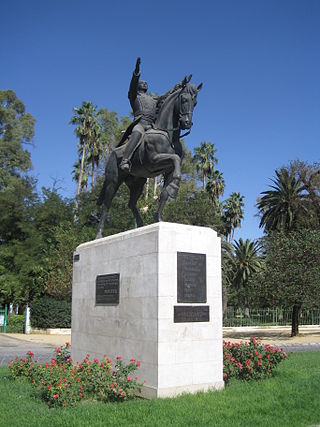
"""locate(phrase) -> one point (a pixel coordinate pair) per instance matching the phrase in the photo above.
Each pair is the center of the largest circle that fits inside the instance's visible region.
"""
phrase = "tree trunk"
(204, 181)
(81, 168)
(155, 185)
(92, 178)
(147, 190)
(295, 320)
(247, 309)
(75, 215)
(224, 301)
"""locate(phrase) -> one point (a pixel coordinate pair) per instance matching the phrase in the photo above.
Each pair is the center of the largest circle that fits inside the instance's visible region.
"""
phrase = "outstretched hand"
(137, 70)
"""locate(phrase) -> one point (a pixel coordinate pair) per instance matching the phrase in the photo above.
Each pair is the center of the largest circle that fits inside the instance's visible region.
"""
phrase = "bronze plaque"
(192, 277)
(107, 289)
(191, 313)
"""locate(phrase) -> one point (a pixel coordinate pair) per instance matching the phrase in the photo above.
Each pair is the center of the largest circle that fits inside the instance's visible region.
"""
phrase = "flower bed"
(250, 360)
(61, 383)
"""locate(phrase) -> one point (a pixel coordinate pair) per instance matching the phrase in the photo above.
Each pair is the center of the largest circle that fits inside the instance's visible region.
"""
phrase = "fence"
(3, 319)
(268, 317)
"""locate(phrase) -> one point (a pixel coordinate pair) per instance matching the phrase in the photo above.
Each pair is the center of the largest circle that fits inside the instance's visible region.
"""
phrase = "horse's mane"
(164, 97)
(189, 88)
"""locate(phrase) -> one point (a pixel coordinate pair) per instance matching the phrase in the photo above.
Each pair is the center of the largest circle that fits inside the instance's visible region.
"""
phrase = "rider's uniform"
(142, 104)
(144, 111)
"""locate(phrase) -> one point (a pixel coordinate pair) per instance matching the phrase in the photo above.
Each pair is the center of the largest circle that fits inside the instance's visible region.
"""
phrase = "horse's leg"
(136, 188)
(172, 164)
(164, 195)
(102, 221)
(112, 181)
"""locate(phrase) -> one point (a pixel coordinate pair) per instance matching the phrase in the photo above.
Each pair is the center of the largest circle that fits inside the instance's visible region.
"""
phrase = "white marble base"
(175, 357)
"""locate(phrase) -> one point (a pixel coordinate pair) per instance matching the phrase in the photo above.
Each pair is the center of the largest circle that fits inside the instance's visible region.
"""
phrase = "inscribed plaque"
(191, 313)
(107, 289)
(192, 277)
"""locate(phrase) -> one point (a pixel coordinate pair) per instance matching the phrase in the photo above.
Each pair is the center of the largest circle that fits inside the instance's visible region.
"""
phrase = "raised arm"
(134, 82)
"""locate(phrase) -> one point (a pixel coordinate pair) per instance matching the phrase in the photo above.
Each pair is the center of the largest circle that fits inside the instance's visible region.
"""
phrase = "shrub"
(48, 312)
(60, 383)
(247, 361)
(16, 323)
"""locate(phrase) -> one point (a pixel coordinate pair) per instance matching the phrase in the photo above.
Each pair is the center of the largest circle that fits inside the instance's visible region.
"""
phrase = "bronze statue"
(154, 146)
(144, 111)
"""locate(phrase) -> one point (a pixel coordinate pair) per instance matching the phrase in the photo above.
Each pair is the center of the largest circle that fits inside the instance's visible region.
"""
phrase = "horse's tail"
(110, 183)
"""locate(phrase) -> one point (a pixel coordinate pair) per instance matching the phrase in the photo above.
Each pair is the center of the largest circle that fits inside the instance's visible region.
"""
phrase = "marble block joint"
(175, 356)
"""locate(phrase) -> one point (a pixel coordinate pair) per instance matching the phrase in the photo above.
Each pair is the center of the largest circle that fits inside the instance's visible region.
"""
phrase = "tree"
(281, 207)
(309, 175)
(88, 131)
(16, 187)
(247, 262)
(232, 214)
(228, 270)
(110, 124)
(16, 129)
(292, 269)
(193, 206)
(205, 160)
(215, 186)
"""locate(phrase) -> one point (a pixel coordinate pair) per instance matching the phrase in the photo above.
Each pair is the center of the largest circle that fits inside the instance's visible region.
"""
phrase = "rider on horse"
(144, 108)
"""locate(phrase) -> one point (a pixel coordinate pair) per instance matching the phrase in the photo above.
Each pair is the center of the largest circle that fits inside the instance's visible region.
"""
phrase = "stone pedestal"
(177, 336)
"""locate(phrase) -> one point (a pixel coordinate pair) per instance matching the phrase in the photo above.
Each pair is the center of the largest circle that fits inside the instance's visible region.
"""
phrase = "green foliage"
(280, 207)
(90, 148)
(246, 262)
(61, 383)
(205, 160)
(16, 189)
(48, 312)
(290, 277)
(292, 268)
(16, 323)
(250, 360)
(232, 213)
(194, 207)
(60, 259)
(215, 186)
(16, 128)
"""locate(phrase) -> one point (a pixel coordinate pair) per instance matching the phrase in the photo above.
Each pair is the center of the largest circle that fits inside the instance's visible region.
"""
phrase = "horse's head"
(186, 102)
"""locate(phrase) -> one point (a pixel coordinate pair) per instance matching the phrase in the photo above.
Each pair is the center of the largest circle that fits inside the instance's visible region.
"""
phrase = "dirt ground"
(275, 336)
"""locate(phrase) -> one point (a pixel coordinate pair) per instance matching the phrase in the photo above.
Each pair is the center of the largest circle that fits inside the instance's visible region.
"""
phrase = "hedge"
(48, 312)
(16, 323)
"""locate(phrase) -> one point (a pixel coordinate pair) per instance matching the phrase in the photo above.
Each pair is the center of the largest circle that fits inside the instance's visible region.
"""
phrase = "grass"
(290, 398)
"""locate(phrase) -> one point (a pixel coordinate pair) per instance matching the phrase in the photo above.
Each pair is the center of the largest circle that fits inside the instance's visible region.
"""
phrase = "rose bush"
(62, 383)
(250, 360)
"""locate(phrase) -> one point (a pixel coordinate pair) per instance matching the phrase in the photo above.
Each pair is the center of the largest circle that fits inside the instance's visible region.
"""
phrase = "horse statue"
(159, 152)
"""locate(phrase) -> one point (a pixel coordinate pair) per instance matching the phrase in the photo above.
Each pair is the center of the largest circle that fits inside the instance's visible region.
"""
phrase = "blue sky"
(259, 62)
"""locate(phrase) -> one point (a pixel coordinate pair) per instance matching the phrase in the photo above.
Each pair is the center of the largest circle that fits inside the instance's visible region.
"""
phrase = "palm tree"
(280, 207)
(205, 160)
(233, 214)
(216, 185)
(247, 262)
(227, 267)
(95, 151)
(87, 130)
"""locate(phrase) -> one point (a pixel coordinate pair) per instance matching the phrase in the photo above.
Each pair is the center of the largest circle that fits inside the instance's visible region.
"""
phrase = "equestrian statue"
(150, 146)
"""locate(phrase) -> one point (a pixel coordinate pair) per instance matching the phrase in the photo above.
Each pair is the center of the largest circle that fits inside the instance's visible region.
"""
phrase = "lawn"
(290, 398)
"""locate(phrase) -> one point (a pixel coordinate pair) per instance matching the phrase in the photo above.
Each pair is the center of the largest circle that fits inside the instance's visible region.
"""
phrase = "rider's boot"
(125, 164)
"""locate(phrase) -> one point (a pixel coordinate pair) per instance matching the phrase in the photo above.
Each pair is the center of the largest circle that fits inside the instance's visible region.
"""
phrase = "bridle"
(180, 116)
